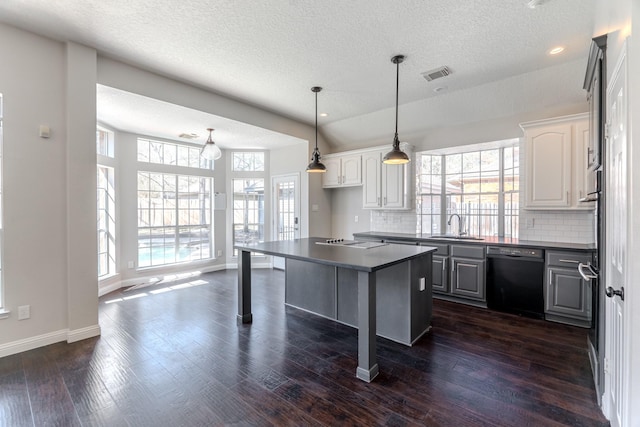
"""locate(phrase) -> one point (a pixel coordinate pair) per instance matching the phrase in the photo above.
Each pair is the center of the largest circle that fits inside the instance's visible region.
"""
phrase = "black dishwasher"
(515, 278)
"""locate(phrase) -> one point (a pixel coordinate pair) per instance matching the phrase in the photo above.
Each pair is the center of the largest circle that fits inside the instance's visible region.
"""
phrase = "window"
(166, 153)
(174, 218)
(106, 200)
(482, 187)
(1, 207)
(248, 211)
(106, 222)
(174, 207)
(104, 143)
(248, 161)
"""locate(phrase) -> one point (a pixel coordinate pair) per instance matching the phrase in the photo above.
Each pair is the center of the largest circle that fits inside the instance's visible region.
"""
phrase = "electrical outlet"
(24, 312)
(531, 222)
(219, 253)
(130, 264)
(355, 219)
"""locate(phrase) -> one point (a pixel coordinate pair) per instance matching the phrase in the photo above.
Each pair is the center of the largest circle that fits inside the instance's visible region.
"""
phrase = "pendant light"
(210, 150)
(396, 156)
(315, 166)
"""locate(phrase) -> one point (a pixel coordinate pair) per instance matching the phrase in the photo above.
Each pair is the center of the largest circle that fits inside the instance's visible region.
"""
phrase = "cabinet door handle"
(385, 200)
(378, 201)
(571, 261)
(344, 179)
(444, 266)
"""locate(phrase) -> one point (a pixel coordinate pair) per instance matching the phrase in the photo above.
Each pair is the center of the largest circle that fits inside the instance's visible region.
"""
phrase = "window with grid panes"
(174, 218)
(106, 222)
(248, 211)
(1, 209)
(167, 153)
(481, 186)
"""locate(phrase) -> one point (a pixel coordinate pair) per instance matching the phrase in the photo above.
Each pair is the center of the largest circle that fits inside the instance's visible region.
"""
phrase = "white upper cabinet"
(556, 162)
(385, 186)
(342, 170)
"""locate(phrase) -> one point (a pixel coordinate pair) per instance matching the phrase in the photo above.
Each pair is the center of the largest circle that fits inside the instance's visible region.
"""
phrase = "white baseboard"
(83, 333)
(103, 290)
(47, 339)
(32, 342)
(145, 279)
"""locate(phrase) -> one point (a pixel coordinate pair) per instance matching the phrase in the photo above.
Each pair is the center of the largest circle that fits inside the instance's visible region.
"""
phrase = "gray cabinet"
(567, 295)
(458, 273)
(468, 272)
(403, 296)
(440, 268)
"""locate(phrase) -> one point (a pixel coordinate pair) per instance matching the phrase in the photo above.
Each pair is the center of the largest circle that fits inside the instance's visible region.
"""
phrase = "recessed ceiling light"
(324, 114)
(556, 50)
(440, 89)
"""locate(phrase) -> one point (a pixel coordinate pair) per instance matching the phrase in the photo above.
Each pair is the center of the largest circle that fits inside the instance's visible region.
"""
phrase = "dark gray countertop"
(369, 260)
(497, 241)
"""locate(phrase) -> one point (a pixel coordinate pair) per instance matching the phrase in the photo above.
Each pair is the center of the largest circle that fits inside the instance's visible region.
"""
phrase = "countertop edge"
(490, 241)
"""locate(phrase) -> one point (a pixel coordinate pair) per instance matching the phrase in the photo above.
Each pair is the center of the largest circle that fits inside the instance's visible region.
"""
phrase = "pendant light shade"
(396, 156)
(210, 150)
(316, 166)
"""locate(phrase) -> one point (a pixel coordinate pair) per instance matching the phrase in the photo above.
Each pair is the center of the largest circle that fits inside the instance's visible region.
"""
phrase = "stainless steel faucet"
(460, 231)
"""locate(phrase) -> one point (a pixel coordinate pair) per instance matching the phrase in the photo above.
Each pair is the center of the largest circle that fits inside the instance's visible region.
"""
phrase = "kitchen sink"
(454, 237)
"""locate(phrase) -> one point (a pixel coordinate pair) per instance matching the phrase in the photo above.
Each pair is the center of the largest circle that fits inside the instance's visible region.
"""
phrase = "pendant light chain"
(316, 120)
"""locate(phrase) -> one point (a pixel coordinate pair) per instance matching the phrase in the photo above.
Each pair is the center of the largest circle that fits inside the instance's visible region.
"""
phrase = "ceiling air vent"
(436, 73)
(188, 135)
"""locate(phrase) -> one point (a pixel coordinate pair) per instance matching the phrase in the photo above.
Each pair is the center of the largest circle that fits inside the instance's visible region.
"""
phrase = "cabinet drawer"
(440, 248)
(567, 259)
(467, 251)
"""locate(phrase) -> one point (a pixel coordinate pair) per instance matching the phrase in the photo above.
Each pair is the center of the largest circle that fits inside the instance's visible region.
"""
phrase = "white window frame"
(444, 196)
(108, 160)
(262, 174)
(204, 170)
(3, 312)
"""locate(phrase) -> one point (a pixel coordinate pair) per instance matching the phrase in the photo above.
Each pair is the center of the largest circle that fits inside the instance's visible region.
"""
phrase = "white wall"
(43, 83)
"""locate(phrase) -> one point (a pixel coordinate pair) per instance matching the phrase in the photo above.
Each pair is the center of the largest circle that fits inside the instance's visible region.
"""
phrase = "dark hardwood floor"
(178, 358)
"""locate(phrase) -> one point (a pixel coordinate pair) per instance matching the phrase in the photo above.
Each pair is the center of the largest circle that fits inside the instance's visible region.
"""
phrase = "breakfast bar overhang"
(371, 267)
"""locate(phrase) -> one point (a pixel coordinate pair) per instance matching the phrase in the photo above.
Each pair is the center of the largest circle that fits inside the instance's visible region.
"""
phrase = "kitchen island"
(353, 274)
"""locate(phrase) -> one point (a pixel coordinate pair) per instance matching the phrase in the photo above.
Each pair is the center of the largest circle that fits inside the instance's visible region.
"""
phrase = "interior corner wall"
(33, 81)
(82, 281)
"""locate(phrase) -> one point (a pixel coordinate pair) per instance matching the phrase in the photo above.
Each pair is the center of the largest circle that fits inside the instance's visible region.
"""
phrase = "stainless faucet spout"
(460, 232)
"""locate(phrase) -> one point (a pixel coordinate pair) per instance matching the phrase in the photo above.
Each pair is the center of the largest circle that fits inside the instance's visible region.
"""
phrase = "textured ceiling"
(270, 53)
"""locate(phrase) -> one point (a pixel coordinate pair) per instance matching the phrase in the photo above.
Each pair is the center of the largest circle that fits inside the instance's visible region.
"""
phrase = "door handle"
(610, 292)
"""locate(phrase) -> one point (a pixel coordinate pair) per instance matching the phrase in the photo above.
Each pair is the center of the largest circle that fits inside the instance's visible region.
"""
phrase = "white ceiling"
(270, 53)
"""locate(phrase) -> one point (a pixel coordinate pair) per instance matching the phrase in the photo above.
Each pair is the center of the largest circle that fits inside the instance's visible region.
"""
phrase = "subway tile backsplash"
(561, 226)
(394, 221)
(548, 226)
